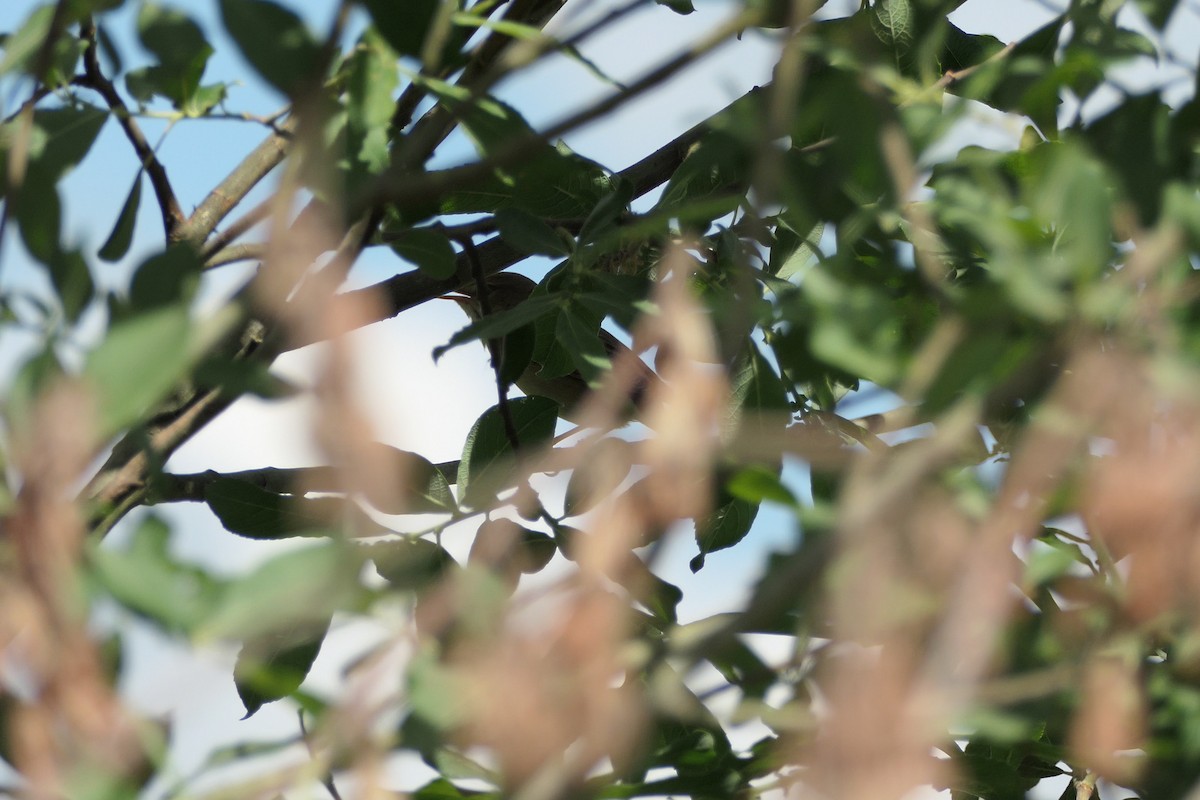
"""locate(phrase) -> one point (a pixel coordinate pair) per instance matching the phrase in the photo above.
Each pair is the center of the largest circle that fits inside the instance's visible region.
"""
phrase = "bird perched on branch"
(507, 290)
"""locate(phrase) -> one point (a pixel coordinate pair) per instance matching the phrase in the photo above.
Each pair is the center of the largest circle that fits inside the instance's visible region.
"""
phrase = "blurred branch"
(93, 78)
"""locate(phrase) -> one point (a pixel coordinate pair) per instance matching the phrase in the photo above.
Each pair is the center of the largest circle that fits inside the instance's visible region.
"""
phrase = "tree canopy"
(955, 385)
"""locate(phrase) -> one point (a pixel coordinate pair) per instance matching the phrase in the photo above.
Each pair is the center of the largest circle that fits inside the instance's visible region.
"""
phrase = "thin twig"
(172, 214)
(235, 253)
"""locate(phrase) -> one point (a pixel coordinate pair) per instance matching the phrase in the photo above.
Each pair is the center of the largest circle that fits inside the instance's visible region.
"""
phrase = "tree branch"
(172, 214)
(227, 194)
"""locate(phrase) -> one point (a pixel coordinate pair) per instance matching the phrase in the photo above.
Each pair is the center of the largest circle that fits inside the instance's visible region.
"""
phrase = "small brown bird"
(507, 290)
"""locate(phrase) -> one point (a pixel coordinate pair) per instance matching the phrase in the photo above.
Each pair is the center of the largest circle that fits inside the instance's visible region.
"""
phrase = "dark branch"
(172, 214)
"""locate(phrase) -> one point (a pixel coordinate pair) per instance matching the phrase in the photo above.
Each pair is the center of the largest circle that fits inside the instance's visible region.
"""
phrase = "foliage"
(991, 586)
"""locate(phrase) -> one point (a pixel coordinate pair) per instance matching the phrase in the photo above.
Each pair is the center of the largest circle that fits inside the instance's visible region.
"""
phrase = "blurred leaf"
(273, 666)
(372, 80)
(117, 244)
(287, 57)
(300, 588)
(429, 250)
(22, 46)
(147, 580)
(488, 454)
(253, 512)
(502, 323)
(530, 234)
(425, 488)
(678, 6)
(73, 282)
(716, 167)
(182, 52)
(410, 564)
(756, 484)
(404, 26)
(166, 278)
(138, 362)
(579, 331)
(1157, 11)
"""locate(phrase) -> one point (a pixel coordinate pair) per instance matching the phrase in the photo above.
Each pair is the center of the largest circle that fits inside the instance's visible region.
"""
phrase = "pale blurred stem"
(1085, 787)
(18, 157)
(93, 78)
(327, 773)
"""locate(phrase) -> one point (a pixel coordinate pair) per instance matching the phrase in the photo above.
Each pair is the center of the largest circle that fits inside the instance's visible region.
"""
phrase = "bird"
(507, 290)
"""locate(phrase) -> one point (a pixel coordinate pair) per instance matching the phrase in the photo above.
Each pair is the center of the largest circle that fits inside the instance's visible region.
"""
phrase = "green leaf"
(372, 78)
(536, 550)
(531, 235)
(172, 36)
(410, 564)
(799, 253)
(138, 362)
(22, 46)
(487, 454)
(893, 24)
(502, 323)
(579, 331)
(287, 56)
(756, 483)
(300, 588)
(404, 26)
(38, 212)
(145, 578)
(253, 512)
(117, 244)
(427, 249)
(715, 169)
(166, 278)
(273, 666)
(724, 528)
